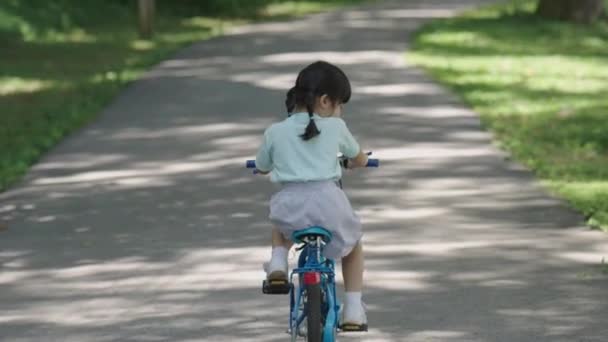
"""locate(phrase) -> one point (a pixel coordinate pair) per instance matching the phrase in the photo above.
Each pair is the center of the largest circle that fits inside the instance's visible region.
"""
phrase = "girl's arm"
(359, 161)
(263, 159)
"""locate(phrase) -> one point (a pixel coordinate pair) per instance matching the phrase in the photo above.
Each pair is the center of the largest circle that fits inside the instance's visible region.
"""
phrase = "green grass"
(62, 61)
(539, 85)
(287, 9)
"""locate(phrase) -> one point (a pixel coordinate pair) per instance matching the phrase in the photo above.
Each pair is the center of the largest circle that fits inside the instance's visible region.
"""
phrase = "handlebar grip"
(373, 163)
(250, 164)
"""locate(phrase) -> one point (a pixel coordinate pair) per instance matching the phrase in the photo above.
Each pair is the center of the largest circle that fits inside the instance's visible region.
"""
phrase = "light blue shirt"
(291, 159)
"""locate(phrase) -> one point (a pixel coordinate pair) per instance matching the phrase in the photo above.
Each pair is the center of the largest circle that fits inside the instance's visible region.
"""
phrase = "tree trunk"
(146, 18)
(581, 11)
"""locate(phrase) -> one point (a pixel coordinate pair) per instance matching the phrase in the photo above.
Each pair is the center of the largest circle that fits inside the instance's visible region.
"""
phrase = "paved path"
(145, 227)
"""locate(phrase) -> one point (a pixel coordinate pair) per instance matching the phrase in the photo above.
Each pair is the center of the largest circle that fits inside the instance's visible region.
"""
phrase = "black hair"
(318, 79)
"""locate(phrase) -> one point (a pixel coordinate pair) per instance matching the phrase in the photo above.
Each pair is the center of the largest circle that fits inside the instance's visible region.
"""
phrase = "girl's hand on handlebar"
(359, 161)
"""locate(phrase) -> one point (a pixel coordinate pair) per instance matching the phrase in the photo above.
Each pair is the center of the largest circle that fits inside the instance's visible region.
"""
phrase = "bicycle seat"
(299, 235)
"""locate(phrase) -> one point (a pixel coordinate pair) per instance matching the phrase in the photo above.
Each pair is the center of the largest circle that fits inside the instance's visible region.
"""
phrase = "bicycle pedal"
(349, 327)
(276, 286)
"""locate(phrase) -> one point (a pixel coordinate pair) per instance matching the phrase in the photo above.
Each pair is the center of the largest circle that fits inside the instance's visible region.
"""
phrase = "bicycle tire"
(313, 320)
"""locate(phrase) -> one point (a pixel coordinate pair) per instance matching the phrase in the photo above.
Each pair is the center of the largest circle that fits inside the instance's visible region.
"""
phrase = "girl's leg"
(278, 240)
(277, 267)
(352, 269)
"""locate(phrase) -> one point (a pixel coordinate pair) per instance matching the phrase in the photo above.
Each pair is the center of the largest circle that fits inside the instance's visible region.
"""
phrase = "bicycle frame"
(312, 261)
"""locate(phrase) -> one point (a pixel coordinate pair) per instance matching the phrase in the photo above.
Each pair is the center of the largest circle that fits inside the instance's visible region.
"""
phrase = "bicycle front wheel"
(314, 319)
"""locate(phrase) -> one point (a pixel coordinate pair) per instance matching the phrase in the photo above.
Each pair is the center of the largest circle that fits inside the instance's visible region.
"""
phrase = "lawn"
(540, 86)
(62, 61)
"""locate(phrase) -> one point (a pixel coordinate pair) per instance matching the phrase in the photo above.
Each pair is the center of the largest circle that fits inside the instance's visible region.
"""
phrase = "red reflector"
(312, 278)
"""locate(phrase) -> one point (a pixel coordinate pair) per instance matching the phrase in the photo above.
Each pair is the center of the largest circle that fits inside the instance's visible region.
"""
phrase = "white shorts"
(302, 205)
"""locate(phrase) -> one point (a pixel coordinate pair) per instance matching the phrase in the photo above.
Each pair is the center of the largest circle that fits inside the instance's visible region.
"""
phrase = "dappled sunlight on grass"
(76, 35)
(289, 9)
(141, 45)
(538, 85)
(149, 215)
(293, 7)
(13, 85)
(205, 23)
(588, 195)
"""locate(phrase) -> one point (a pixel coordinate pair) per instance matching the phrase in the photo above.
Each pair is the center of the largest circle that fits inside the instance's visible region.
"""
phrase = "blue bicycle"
(314, 300)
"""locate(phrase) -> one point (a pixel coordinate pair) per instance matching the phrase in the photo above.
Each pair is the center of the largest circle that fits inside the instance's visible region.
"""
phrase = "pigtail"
(290, 100)
(311, 130)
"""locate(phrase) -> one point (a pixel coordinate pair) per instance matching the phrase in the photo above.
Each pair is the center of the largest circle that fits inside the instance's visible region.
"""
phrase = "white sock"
(278, 260)
(352, 300)
(353, 308)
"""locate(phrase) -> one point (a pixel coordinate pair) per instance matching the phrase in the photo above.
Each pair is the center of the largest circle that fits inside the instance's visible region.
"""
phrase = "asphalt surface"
(144, 226)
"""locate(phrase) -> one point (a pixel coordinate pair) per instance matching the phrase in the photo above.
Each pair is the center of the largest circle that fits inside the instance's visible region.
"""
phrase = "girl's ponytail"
(290, 100)
(311, 130)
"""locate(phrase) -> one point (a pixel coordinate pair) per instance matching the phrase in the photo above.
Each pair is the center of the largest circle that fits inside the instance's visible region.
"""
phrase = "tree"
(582, 11)
(146, 18)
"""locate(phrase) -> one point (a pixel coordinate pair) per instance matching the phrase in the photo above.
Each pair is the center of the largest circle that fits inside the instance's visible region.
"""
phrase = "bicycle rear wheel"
(314, 320)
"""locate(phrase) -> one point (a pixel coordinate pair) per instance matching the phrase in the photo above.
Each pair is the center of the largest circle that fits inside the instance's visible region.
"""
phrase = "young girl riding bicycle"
(301, 153)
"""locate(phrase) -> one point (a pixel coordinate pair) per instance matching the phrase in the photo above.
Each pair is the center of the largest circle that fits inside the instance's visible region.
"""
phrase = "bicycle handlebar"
(371, 162)
(250, 164)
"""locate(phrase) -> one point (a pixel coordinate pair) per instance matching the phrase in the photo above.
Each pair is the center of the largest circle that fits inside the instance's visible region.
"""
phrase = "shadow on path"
(146, 227)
